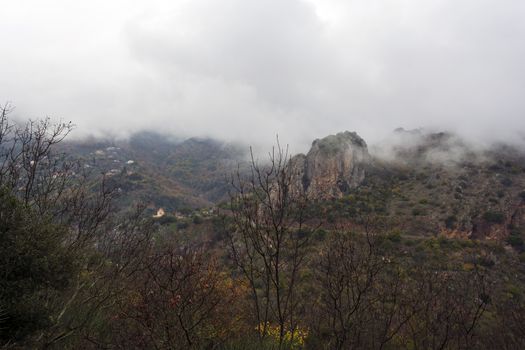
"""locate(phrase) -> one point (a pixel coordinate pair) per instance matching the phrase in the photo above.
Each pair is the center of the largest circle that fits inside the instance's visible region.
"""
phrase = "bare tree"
(108, 270)
(508, 328)
(54, 188)
(351, 270)
(370, 299)
(29, 165)
(179, 301)
(267, 239)
(447, 307)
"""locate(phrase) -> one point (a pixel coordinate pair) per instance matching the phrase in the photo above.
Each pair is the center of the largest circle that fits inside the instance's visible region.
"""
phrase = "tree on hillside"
(65, 252)
(267, 240)
(370, 298)
(179, 300)
(34, 264)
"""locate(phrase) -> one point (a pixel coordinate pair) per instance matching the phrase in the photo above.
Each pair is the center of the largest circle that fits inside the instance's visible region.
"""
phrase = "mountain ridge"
(432, 183)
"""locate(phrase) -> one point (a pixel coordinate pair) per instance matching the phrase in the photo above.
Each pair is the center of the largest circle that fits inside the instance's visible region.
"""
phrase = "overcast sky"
(246, 70)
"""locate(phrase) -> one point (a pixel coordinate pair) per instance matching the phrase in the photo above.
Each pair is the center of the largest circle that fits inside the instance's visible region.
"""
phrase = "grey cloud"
(246, 70)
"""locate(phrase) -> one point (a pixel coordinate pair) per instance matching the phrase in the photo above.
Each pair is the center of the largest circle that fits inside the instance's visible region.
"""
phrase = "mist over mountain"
(246, 70)
(429, 183)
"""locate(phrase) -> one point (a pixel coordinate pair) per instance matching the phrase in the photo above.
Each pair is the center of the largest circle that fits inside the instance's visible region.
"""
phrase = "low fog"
(246, 70)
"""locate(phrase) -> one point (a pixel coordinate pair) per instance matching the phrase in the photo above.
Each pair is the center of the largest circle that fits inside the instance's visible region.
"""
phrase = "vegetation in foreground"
(269, 272)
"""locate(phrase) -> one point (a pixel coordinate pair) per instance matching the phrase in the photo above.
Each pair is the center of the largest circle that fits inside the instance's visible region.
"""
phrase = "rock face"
(333, 165)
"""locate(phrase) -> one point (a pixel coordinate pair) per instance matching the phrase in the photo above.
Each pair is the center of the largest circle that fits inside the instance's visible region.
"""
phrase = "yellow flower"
(295, 339)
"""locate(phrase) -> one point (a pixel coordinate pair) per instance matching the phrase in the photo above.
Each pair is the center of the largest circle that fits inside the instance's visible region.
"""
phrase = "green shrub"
(506, 182)
(450, 221)
(410, 242)
(466, 243)
(197, 220)
(515, 241)
(167, 220)
(182, 225)
(34, 263)
(494, 217)
(394, 236)
(486, 261)
(447, 243)
(320, 234)
(185, 211)
(418, 212)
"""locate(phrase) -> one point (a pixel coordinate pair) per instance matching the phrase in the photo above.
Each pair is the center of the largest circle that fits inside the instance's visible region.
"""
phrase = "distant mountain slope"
(433, 183)
(420, 183)
(161, 171)
(205, 165)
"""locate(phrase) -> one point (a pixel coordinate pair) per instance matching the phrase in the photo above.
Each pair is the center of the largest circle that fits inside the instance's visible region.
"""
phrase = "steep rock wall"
(333, 165)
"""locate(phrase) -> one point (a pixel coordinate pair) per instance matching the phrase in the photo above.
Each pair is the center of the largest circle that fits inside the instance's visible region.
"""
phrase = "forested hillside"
(161, 171)
(411, 250)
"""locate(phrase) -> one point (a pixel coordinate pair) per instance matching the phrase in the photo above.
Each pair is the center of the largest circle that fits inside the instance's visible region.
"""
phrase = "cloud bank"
(246, 70)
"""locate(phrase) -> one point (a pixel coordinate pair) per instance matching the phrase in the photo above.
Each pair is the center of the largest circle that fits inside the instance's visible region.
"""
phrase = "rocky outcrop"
(334, 165)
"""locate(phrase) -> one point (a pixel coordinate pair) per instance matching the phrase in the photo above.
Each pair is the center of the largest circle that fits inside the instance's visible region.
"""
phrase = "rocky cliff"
(333, 165)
